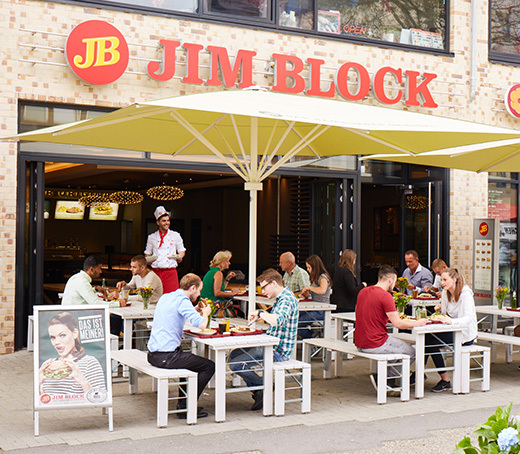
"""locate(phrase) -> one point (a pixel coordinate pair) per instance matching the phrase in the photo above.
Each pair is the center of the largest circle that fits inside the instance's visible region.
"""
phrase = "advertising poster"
(71, 357)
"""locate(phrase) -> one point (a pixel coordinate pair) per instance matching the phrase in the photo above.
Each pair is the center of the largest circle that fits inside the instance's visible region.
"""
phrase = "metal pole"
(253, 189)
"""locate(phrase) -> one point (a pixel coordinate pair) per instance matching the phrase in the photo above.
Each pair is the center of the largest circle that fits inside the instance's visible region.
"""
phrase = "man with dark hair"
(164, 346)
(417, 275)
(142, 276)
(78, 289)
(283, 318)
(375, 308)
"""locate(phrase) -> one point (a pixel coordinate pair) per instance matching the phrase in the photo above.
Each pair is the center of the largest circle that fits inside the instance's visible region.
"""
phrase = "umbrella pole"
(253, 189)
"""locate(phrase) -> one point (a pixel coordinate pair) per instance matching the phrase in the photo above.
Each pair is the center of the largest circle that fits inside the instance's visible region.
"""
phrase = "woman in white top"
(458, 308)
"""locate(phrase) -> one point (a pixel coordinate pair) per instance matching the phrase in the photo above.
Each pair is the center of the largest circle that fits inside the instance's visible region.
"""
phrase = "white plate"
(195, 330)
(151, 258)
(174, 257)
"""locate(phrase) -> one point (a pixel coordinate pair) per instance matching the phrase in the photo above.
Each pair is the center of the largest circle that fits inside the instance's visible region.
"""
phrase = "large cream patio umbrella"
(256, 132)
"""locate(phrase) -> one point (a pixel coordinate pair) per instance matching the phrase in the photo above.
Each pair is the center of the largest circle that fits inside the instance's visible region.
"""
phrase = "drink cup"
(415, 293)
(227, 325)
(222, 327)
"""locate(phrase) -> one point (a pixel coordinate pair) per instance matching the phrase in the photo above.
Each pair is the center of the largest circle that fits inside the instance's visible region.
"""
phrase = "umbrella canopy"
(255, 132)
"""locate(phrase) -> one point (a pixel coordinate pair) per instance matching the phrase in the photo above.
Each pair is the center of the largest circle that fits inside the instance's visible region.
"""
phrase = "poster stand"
(72, 365)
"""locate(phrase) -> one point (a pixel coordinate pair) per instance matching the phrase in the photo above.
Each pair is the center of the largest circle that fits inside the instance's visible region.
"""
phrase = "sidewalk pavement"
(344, 418)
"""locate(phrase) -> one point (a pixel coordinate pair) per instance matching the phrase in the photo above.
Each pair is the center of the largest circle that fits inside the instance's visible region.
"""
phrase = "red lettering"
(363, 30)
(168, 62)
(363, 80)
(219, 61)
(413, 90)
(282, 73)
(378, 85)
(314, 80)
(192, 64)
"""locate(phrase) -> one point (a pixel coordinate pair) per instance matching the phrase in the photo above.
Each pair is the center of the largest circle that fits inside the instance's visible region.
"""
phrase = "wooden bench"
(335, 345)
(137, 361)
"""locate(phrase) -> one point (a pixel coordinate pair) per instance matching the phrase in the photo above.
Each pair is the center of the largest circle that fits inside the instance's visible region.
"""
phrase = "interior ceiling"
(101, 177)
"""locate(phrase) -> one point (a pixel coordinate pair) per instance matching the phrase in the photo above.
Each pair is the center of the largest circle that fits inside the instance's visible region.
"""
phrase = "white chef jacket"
(172, 245)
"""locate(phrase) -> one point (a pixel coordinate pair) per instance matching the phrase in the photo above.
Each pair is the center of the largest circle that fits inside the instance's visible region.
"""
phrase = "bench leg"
(110, 419)
(162, 402)
(133, 381)
(381, 381)
(465, 369)
(279, 392)
(306, 353)
(405, 379)
(191, 417)
(486, 365)
(306, 391)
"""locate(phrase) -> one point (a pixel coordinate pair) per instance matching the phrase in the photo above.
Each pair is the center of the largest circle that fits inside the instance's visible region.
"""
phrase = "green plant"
(498, 435)
(500, 295)
(401, 301)
(402, 283)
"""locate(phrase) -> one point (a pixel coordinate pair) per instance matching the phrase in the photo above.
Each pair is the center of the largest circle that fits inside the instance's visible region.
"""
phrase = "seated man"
(438, 266)
(418, 276)
(294, 278)
(283, 318)
(164, 346)
(142, 276)
(375, 307)
(79, 290)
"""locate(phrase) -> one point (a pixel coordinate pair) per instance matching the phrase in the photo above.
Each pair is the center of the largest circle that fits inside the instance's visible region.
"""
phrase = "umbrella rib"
(299, 136)
(380, 141)
(226, 143)
(212, 125)
(278, 145)
(498, 161)
(239, 140)
(186, 125)
(126, 118)
(267, 146)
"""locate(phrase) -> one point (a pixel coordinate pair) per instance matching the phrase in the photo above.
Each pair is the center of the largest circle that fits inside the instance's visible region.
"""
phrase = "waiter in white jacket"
(166, 250)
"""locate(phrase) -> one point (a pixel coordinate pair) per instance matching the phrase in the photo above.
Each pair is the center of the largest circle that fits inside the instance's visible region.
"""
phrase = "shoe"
(442, 386)
(412, 378)
(201, 413)
(258, 396)
(390, 383)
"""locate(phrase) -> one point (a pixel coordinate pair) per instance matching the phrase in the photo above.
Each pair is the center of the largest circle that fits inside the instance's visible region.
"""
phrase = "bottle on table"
(104, 288)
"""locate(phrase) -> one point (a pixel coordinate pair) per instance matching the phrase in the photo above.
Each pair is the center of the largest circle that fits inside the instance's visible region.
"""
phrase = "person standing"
(375, 308)
(164, 346)
(294, 278)
(418, 276)
(168, 247)
(283, 321)
(345, 283)
(141, 277)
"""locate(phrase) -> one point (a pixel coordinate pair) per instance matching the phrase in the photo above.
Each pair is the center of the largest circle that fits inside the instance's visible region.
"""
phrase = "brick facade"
(54, 82)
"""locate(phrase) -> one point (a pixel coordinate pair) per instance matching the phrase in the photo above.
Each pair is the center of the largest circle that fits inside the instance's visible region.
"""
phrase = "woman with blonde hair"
(346, 285)
(457, 307)
(214, 284)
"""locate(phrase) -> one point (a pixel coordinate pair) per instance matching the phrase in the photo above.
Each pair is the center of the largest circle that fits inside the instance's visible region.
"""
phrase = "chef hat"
(159, 212)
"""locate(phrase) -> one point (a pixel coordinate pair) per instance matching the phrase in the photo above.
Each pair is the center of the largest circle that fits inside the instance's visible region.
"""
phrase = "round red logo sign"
(512, 100)
(97, 52)
(45, 398)
(483, 229)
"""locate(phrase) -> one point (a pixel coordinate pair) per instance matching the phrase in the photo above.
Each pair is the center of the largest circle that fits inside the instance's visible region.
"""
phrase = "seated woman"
(457, 307)
(319, 291)
(214, 284)
(346, 284)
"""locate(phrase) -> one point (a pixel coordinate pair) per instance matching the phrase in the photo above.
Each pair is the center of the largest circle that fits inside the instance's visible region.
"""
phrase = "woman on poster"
(73, 371)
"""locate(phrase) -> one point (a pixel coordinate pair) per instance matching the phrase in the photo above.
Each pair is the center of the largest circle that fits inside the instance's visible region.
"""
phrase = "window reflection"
(246, 8)
(189, 6)
(296, 14)
(505, 26)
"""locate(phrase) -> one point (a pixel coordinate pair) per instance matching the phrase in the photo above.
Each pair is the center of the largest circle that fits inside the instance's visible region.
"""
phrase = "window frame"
(499, 57)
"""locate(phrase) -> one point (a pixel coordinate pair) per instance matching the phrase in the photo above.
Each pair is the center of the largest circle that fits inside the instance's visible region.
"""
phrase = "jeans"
(305, 320)
(240, 363)
(178, 359)
(393, 345)
(433, 344)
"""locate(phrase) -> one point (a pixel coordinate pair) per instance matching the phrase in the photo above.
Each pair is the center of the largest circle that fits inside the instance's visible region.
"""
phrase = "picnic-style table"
(418, 336)
(221, 346)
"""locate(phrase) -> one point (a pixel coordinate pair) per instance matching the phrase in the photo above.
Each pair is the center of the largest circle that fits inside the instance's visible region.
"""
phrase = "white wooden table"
(419, 334)
(223, 345)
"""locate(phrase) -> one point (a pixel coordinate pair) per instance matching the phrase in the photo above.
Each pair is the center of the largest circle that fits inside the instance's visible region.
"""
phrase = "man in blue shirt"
(164, 347)
(417, 275)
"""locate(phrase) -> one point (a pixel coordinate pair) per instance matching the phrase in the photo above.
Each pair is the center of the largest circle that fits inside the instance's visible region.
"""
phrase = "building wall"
(54, 82)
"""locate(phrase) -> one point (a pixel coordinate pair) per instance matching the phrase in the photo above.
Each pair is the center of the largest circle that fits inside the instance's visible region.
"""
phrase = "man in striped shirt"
(283, 318)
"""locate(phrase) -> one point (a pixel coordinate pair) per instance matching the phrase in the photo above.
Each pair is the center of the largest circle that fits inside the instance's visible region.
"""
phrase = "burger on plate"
(57, 370)
(104, 209)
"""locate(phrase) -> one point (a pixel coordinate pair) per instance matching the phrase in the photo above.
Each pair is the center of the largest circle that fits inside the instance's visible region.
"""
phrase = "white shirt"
(78, 290)
(437, 282)
(172, 245)
(462, 312)
(150, 280)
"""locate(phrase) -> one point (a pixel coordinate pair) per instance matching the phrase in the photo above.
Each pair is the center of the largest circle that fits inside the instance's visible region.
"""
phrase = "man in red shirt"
(374, 309)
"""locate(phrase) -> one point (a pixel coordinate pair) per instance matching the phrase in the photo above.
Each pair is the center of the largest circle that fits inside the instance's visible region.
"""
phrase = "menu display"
(105, 212)
(69, 209)
(483, 264)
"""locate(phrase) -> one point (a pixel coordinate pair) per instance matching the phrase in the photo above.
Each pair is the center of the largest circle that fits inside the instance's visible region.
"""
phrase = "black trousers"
(178, 359)
(433, 344)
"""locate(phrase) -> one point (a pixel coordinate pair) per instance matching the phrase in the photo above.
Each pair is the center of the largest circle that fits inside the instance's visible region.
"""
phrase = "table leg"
(338, 363)
(127, 339)
(419, 365)
(268, 380)
(457, 363)
(220, 385)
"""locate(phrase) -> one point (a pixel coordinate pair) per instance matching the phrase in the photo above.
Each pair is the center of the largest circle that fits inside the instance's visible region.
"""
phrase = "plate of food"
(242, 329)
(427, 296)
(203, 332)
(436, 317)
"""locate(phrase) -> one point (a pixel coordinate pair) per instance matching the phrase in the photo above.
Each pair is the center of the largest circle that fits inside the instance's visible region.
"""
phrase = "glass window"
(505, 26)
(502, 204)
(296, 14)
(187, 6)
(245, 8)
